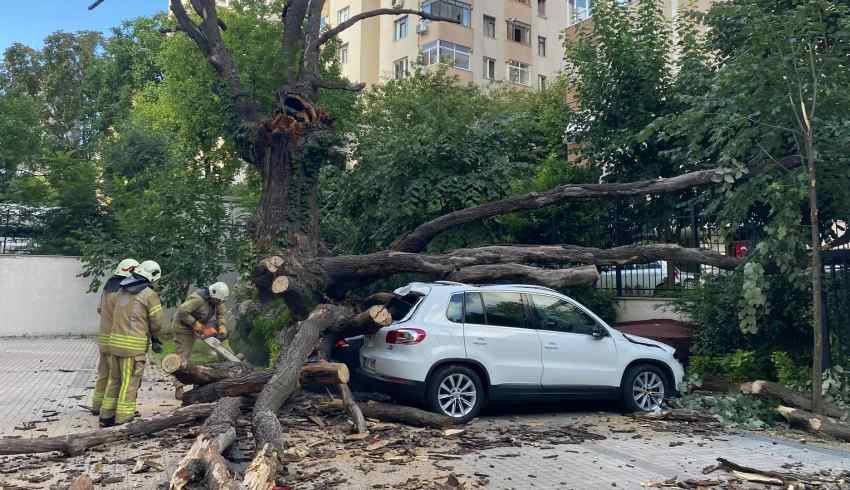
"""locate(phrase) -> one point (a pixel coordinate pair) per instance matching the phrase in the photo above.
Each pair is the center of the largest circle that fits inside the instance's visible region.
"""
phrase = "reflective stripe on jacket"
(137, 317)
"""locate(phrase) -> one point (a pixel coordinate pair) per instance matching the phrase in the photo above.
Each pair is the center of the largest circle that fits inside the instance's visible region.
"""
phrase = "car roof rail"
(526, 286)
(450, 283)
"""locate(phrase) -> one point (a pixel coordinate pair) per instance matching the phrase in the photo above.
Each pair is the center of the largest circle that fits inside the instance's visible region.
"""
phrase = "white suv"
(460, 346)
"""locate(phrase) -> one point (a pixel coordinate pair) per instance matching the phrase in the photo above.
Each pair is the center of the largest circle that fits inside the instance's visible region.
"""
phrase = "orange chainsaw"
(208, 334)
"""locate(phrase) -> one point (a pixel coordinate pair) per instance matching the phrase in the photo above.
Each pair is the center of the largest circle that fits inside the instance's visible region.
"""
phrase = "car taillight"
(341, 344)
(405, 336)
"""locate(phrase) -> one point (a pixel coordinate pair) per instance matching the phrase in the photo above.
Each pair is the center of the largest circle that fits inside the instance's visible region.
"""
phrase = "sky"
(30, 21)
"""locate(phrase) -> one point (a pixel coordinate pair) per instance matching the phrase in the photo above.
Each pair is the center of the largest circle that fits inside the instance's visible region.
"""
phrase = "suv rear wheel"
(644, 388)
(456, 391)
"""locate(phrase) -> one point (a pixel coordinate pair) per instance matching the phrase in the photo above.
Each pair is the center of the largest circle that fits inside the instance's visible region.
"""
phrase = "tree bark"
(255, 381)
(199, 375)
(399, 413)
(418, 239)
(74, 444)
(775, 391)
(203, 465)
(352, 409)
(262, 471)
(516, 273)
(814, 423)
(284, 382)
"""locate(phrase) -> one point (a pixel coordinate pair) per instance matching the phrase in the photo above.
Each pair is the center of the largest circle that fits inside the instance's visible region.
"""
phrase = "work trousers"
(122, 389)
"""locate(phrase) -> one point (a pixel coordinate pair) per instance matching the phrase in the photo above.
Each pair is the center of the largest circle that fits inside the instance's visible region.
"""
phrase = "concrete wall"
(42, 295)
(641, 309)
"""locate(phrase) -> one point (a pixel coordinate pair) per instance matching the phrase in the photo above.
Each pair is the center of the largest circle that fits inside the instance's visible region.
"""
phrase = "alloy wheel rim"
(457, 395)
(648, 391)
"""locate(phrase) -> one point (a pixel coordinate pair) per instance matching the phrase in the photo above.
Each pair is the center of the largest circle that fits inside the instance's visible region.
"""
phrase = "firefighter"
(202, 314)
(137, 321)
(104, 309)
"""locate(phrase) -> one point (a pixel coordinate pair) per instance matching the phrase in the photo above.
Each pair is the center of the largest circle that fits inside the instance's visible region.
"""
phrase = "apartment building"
(508, 41)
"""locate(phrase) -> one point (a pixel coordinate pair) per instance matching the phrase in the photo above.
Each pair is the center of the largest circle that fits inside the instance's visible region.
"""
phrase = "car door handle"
(551, 346)
(479, 342)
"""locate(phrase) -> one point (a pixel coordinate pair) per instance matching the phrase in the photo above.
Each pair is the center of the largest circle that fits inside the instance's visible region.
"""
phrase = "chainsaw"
(207, 335)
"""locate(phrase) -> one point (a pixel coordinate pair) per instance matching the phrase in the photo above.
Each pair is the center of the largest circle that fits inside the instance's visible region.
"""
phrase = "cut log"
(388, 412)
(327, 373)
(814, 423)
(205, 374)
(238, 386)
(678, 415)
(364, 323)
(352, 409)
(74, 444)
(171, 363)
(284, 382)
(216, 435)
(776, 391)
(298, 298)
(324, 373)
(262, 471)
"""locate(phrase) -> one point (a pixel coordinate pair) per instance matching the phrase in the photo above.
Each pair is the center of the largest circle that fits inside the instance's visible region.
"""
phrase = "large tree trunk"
(74, 444)
(203, 465)
(282, 385)
(815, 423)
(775, 391)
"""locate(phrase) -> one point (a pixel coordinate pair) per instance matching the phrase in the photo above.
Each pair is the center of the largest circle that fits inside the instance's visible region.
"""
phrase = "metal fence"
(20, 227)
(836, 298)
(663, 278)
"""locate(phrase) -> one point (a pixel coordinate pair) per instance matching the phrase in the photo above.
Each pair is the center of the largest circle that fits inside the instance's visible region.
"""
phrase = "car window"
(504, 309)
(454, 312)
(561, 316)
(474, 309)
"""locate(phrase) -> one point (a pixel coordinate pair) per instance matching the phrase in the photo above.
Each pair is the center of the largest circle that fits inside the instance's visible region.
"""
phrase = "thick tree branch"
(418, 239)
(207, 36)
(516, 273)
(342, 273)
(330, 33)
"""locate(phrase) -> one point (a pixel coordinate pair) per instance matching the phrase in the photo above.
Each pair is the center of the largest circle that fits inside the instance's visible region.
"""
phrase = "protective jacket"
(198, 307)
(137, 317)
(106, 308)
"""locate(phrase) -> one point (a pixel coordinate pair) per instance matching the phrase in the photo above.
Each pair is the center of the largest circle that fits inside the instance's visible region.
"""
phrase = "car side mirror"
(598, 332)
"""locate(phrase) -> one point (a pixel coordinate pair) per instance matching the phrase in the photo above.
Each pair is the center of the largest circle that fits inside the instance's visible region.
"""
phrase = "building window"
(579, 10)
(541, 46)
(445, 52)
(400, 69)
(400, 31)
(489, 26)
(518, 72)
(343, 54)
(541, 8)
(343, 15)
(451, 9)
(323, 23)
(541, 82)
(489, 68)
(519, 32)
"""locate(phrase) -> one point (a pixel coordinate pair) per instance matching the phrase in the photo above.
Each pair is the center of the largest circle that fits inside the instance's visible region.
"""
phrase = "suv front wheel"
(644, 388)
(456, 391)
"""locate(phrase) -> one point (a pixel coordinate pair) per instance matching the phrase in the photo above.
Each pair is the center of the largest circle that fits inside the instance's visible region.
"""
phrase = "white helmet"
(149, 270)
(125, 267)
(219, 291)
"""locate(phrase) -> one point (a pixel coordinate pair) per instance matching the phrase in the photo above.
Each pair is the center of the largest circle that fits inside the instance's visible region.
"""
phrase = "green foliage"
(734, 411)
(428, 145)
(599, 301)
(736, 367)
(789, 372)
(258, 330)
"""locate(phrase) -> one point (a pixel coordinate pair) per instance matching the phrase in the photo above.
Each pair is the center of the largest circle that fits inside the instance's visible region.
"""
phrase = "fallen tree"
(74, 444)
(814, 423)
(387, 412)
(203, 465)
(776, 391)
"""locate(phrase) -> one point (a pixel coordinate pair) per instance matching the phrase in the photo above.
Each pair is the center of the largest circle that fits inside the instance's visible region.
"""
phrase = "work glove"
(156, 345)
(222, 333)
(198, 327)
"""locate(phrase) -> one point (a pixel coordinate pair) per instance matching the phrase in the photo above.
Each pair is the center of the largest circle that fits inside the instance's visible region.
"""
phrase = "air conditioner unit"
(422, 27)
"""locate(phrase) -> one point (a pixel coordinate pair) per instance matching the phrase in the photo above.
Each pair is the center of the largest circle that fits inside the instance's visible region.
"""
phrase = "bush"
(736, 367)
(257, 331)
(790, 373)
